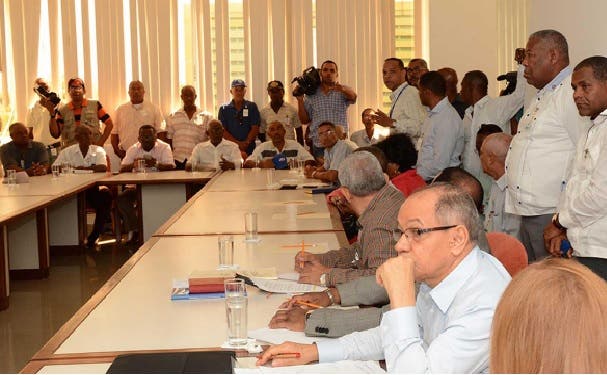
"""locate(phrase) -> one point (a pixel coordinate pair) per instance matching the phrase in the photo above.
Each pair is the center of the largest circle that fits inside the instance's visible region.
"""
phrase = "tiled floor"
(38, 308)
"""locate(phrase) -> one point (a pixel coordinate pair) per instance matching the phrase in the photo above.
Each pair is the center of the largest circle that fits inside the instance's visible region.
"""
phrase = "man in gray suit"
(363, 291)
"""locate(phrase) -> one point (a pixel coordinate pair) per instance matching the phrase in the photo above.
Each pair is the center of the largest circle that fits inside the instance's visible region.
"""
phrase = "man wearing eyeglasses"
(446, 327)
(79, 112)
(335, 151)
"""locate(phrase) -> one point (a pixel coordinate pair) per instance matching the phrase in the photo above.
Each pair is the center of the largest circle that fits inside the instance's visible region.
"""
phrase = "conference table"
(133, 312)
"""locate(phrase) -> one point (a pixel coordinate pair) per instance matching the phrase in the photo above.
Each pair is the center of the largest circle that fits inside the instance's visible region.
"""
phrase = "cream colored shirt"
(129, 117)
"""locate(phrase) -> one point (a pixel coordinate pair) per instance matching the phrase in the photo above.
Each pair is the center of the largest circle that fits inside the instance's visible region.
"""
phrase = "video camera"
(43, 93)
(307, 83)
(509, 77)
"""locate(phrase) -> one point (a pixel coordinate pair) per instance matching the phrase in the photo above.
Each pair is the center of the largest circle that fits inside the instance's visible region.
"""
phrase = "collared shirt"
(496, 220)
(185, 133)
(583, 207)
(361, 138)
(497, 111)
(130, 117)
(287, 115)
(37, 119)
(336, 154)
(538, 162)
(408, 111)
(442, 140)
(375, 241)
(321, 107)
(35, 152)
(446, 332)
(83, 115)
(207, 155)
(95, 155)
(161, 152)
(240, 122)
(291, 150)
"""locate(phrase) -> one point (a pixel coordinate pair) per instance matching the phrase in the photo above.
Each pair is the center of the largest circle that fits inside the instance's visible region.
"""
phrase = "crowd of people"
(421, 190)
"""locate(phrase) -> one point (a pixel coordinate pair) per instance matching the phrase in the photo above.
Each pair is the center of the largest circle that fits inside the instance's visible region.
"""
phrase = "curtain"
(512, 31)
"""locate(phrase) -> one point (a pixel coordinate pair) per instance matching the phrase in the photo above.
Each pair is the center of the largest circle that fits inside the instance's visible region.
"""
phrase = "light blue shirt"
(442, 140)
(336, 154)
(446, 332)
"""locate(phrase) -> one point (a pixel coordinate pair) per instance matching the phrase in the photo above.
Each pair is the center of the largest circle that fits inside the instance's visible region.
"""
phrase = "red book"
(207, 288)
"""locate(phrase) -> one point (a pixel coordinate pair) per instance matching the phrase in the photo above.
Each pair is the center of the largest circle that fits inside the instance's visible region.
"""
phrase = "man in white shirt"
(582, 211)
(407, 114)
(187, 127)
(540, 156)
(446, 328)
(279, 110)
(493, 158)
(157, 156)
(38, 117)
(442, 139)
(370, 135)
(130, 116)
(216, 153)
(84, 155)
(278, 151)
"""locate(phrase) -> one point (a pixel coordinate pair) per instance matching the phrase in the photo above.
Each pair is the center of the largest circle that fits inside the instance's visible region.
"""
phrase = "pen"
(284, 355)
(309, 304)
(306, 213)
(301, 253)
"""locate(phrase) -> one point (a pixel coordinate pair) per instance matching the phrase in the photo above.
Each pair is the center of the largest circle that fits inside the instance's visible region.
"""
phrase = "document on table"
(285, 286)
(280, 335)
(246, 365)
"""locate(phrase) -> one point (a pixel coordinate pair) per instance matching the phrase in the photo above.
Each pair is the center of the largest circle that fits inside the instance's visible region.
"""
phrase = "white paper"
(293, 276)
(285, 286)
(246, 365)
(280, 335)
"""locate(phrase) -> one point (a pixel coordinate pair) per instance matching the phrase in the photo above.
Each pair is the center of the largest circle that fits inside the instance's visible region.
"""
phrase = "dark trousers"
(180, 165)
(101, 201)
(597, 265)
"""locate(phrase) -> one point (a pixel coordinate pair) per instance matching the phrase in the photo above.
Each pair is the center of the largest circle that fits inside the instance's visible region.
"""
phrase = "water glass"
(11, 177)
(269, 177)
(66, 169)
(140, 166)
(250, 226)
(236, 311)
(225, 245)
(56, 169)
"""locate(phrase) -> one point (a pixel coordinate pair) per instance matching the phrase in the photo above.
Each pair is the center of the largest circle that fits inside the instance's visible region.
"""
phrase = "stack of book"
(201, 285)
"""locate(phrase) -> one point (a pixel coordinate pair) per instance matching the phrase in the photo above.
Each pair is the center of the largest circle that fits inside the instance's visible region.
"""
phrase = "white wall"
(581, 21)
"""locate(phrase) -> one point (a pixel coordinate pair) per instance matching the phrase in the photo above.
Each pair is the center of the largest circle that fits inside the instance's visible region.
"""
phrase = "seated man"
(277, 152)
(23, 154)
(335, 151)
(370, 135)
(85, 155)
(446, 327)
(157, 156)
(376, 203)
(216, 153)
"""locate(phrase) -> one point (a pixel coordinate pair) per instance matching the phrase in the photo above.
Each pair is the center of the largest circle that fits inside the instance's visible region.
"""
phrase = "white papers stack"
(246, 365)
(285, 286)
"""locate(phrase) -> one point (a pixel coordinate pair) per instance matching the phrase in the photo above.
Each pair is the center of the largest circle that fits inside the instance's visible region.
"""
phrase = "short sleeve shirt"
(240, 122)
(35, 152)
(321, 107)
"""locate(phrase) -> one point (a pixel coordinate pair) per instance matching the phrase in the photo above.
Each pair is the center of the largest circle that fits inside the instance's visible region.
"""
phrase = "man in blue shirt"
(23, 154)
(329, 104)
(240, 119)
(446, 328)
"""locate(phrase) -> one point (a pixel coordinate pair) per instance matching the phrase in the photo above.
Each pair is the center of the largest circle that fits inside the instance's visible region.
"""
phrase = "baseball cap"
(238, 82)
(275, 84)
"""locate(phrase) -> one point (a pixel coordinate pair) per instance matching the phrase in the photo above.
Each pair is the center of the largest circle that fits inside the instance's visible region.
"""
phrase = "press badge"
(245, 112)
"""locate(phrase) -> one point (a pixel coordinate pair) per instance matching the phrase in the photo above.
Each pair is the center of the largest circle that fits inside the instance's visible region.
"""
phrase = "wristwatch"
(555, 222)
(328, 291)
(323, 279)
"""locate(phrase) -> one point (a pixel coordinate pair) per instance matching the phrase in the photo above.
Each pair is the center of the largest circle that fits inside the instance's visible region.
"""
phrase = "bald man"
(493, 159)
(23, 154)
(450, 77)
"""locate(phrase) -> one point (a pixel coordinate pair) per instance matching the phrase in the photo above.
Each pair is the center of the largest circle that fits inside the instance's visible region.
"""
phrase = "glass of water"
(56, 169)
(236, 311)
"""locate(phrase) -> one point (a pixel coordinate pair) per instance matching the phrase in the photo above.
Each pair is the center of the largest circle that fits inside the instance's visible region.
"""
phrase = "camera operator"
(79, 112)
(38, 117)
(328, 104)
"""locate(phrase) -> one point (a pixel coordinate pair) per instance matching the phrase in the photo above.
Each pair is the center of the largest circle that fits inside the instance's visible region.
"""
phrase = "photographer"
(80, 111)
(38, 117)
(328, 104)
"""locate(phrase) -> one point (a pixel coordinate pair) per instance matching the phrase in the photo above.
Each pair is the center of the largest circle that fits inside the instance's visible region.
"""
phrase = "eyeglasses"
(76, 88)
(415, 234)
(320, 134)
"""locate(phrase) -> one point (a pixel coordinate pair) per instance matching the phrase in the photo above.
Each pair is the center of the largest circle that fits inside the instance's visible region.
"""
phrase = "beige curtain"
(512, 31)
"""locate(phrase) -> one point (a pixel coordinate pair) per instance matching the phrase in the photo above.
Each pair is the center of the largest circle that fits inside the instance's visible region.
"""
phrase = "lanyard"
(396, 100)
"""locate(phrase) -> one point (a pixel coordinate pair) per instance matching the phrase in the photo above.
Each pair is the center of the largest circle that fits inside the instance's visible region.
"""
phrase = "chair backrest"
(510, 251)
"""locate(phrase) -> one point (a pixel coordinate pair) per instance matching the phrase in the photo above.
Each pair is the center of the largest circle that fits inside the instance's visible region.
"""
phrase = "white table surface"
(139, 315)
(80, 368)
(11, 207)
(47, 185)
(279, 210)
(156, 177)
(248, 180)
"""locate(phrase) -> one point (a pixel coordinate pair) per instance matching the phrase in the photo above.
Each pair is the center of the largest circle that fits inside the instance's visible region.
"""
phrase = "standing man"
(329, 104)
(186, 127)
(240, 119)
(23, 154)
(416, 69)
(79, 112)
(442, 139)
(38, 117)
(130, 116)
(86, 156)
(370, 135)
(493, 159)
(582, 211)
(450, 77)
(407, 114)
(540, 156)
(280, 111)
